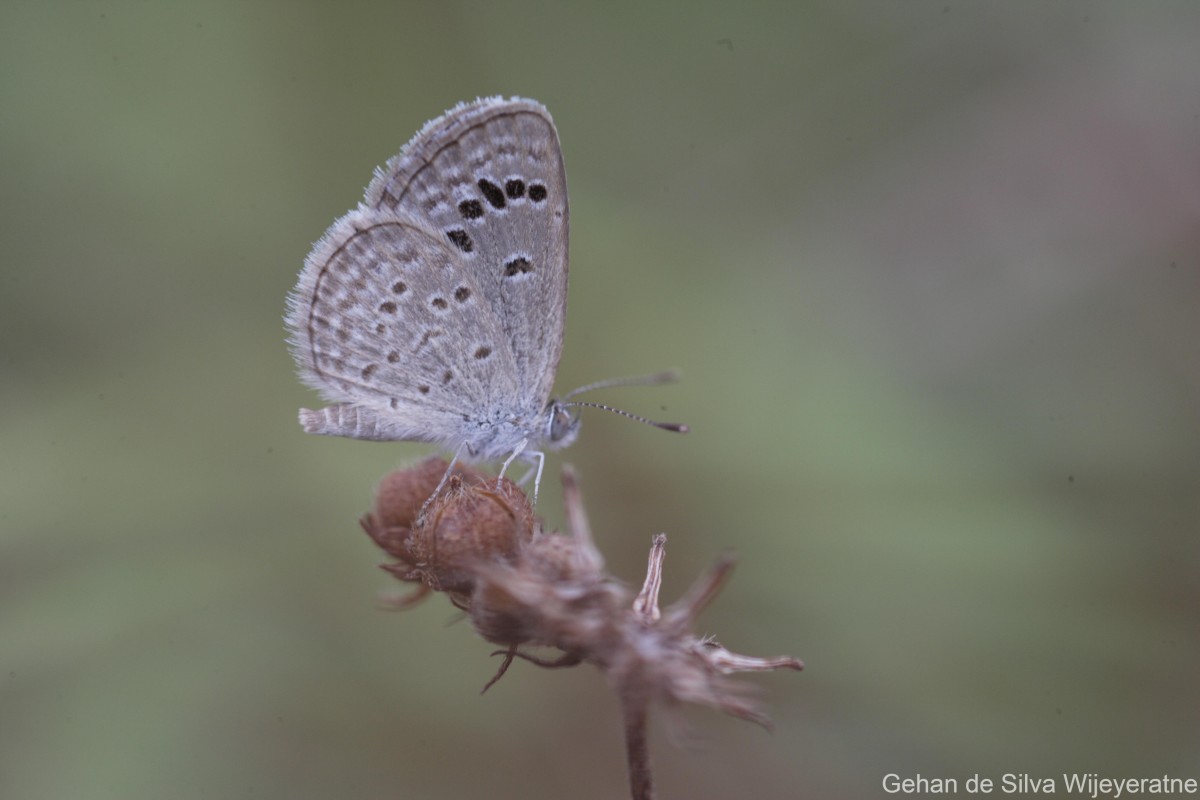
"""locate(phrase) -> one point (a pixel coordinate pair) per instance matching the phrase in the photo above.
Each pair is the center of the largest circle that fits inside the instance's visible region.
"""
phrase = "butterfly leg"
(541, 459)
(504, 467)
(534, 470)
(537, 481)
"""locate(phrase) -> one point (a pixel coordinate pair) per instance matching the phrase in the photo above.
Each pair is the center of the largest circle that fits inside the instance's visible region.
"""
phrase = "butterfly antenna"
(676, 427)
(667, 376)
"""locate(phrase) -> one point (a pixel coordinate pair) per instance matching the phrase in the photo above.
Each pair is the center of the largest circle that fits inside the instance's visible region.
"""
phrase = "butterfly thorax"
(494, 439)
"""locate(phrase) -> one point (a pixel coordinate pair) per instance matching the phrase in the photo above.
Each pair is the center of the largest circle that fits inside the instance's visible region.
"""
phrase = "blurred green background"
(932, 273)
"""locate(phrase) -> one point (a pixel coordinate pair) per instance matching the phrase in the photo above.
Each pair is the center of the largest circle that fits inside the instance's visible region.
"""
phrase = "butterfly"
(434, 311)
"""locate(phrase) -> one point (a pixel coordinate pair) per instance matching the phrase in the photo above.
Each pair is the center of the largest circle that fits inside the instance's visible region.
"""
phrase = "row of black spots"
(472, 209)
(520, 265)
(497, 198)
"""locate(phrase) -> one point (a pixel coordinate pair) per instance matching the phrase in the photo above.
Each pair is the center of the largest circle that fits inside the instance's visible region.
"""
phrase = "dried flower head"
(438, 542)
(479, 542)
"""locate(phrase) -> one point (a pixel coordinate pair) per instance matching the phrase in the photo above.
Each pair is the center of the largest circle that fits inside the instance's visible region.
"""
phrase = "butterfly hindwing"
(388, 316)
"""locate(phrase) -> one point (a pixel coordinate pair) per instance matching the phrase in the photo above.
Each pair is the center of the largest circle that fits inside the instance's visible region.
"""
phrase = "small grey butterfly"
(434, 311)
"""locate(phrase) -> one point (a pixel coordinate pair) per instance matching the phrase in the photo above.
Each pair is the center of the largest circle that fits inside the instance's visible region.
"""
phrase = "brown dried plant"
(480, 543)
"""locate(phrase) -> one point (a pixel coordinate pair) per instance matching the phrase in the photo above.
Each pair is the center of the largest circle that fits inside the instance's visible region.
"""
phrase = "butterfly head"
(562, 425)
(562, 417)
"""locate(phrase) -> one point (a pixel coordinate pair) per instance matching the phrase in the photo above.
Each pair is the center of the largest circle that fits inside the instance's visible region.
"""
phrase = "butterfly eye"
(563, 424)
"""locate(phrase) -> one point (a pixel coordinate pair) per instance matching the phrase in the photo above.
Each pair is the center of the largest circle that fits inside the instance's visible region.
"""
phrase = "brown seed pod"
(474, 520)
(398, 501)
(467, 526)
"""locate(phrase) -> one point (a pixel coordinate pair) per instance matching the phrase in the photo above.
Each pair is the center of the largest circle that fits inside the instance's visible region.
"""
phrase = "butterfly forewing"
(488, 177)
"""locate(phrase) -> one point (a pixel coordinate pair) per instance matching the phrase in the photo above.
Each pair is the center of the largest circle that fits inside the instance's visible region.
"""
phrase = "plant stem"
(637, 746)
